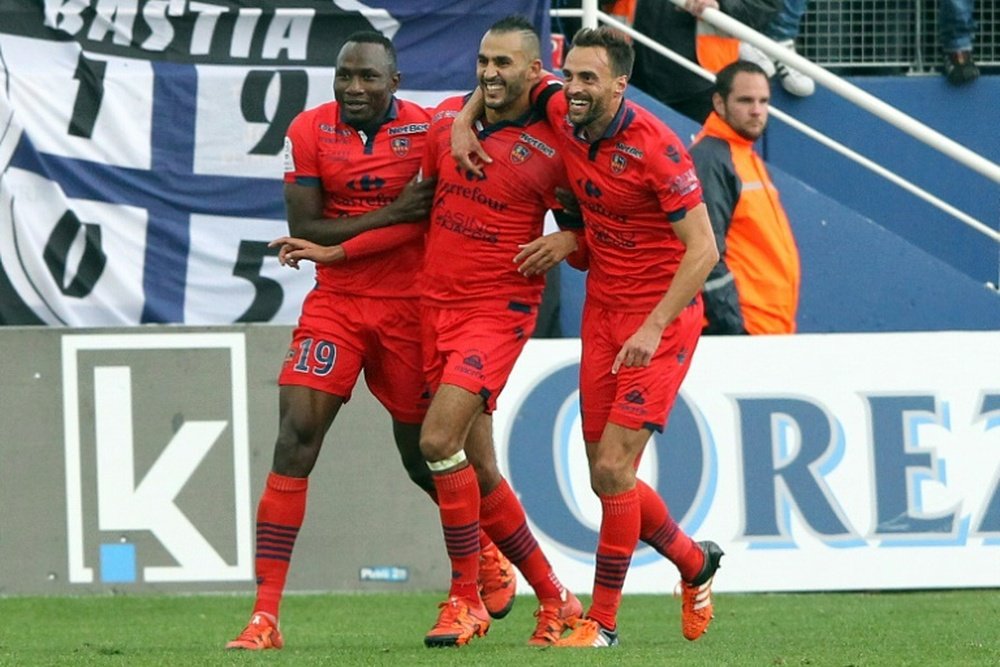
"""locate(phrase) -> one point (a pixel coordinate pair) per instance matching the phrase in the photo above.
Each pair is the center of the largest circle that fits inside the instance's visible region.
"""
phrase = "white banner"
(817, 462)
(140, 145)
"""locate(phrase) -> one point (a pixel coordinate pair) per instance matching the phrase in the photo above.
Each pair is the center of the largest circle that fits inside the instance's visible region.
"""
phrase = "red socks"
(620, 522)
(458, 503)
(503, 519)
(280, 512)
(660, 531)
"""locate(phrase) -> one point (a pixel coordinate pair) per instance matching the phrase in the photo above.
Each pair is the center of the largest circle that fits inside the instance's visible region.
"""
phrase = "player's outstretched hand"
(414, 203)
(466, 149)
(639, 349)
(294, 249)
(543, 253)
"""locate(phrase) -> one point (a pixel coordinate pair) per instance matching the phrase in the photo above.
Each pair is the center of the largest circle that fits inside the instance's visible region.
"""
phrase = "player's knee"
(437, 445)
(609, 477)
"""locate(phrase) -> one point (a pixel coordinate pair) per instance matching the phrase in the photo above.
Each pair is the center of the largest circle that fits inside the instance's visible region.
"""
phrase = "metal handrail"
(863, 99)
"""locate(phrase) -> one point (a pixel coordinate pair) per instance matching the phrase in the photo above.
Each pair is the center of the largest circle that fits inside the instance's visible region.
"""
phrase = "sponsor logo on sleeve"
(685, 183)
(289, 156)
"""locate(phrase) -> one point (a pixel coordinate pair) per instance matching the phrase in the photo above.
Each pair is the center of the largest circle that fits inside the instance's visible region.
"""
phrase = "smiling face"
(364, 83)
(745, 107)
(592, 90)
(506, 68)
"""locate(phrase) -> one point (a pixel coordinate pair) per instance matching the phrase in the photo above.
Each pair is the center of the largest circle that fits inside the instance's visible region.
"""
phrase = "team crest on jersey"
(618, 163)
(400, 146)
(519, 153)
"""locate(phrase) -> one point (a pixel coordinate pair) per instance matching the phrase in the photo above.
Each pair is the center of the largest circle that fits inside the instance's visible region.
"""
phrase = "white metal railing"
(591, 16)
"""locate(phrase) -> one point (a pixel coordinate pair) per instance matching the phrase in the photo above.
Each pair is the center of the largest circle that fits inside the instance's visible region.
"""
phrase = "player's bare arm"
(700, 255)
(540, 255)
(294, 249)
(304, 206)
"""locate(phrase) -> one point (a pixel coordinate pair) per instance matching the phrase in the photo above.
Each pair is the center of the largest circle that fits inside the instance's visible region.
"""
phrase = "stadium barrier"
(134, 459)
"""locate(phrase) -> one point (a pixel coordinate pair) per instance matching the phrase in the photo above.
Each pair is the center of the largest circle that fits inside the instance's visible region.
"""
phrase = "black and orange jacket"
(755, 286)
(684, 34)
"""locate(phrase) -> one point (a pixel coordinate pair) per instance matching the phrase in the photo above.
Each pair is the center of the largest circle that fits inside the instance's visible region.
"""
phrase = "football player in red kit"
(650, 246)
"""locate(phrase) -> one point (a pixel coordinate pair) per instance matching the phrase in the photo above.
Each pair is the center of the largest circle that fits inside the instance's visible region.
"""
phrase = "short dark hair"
(724, 77)
(621, 55)
(529, 34)
(372, 37)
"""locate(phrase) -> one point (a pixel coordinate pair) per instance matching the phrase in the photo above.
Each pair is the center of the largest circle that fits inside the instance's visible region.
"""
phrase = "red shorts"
(475, 348)
(339, 335)
(637, 397)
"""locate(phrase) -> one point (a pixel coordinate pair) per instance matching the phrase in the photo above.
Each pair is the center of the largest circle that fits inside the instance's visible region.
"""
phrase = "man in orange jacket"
(755, 286)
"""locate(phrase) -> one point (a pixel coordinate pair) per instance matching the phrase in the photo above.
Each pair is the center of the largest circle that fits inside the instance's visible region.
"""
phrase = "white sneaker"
(752, 54)
(792, 80)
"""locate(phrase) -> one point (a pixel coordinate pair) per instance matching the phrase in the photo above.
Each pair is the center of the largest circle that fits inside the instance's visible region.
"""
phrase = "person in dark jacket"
(681, 31)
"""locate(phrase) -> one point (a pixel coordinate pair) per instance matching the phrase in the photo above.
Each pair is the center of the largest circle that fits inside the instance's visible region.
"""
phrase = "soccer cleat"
(555, 616)
(457, 624)
(696, 595)
(261, 633)
(497, 583)
(588, 633)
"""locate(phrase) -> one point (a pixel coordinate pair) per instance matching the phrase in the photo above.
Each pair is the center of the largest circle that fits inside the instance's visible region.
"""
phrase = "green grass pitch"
(838, 629)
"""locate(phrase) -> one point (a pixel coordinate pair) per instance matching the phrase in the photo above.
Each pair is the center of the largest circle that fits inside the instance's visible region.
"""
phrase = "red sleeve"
(673, 178)
(546, 96)
(300, 149)
(438, 136)
(380, 240)
(579, 258)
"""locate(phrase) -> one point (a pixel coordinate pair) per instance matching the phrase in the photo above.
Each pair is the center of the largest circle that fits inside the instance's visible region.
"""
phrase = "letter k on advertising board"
(157, 473)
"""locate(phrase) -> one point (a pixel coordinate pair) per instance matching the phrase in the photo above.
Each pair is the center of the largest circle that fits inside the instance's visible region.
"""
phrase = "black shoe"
(959, 68)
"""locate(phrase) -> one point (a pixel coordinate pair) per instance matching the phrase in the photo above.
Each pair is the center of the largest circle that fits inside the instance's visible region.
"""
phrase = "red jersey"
(477, 224)
(360, 173)
(632, 183)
